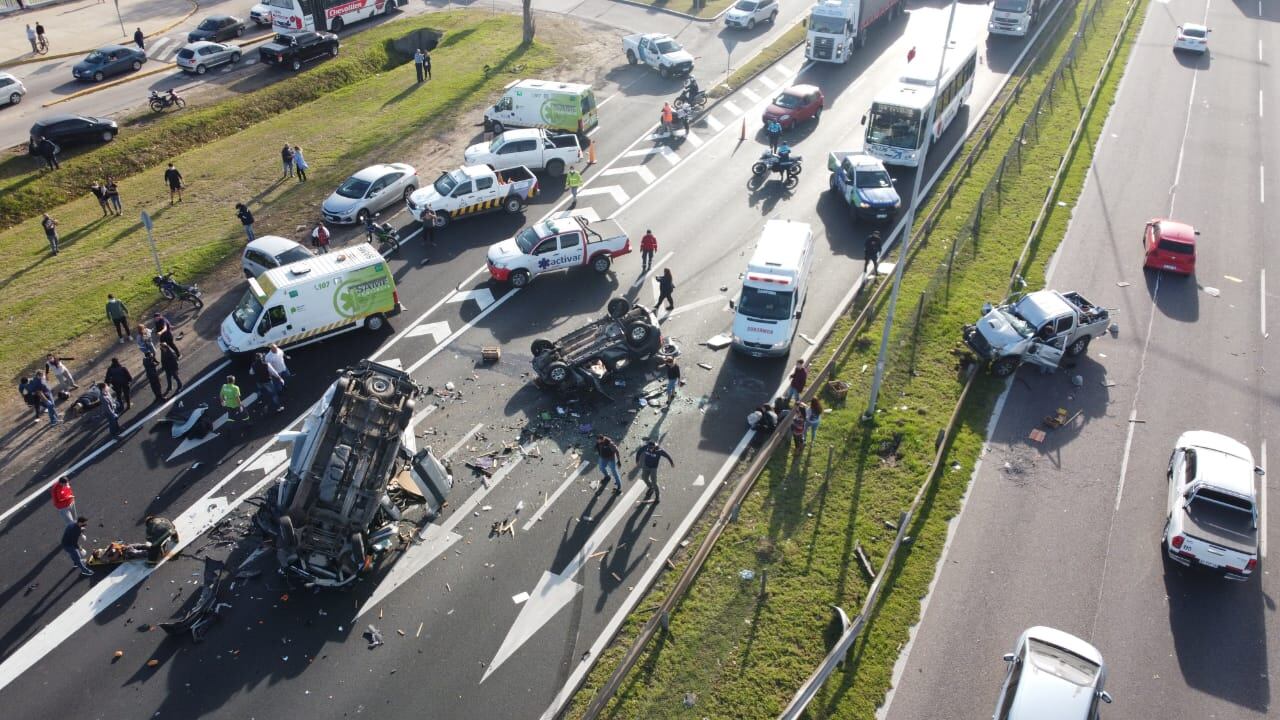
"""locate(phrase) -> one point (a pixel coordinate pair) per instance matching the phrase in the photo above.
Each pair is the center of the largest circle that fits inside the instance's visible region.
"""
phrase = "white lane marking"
(667, 154)
(731, 107)
(463, 441)
(607, 100)
(472, 323)
(750, 94)
(568, 481)
(693, 139)
(619, 195)
(1262, 184)
(1259, 103)
(767, 81)
(436, 330)
(1137, 392)
(695, 305)
(716, 125)
(645, 173)
(786, 72)
(43, 490)
(1182, 146)
(1262, 301)
(700, 481)
(448, 296)
(1259, 41)
(1263, 458)
(409, 437)
(588, 214)
(652, 268)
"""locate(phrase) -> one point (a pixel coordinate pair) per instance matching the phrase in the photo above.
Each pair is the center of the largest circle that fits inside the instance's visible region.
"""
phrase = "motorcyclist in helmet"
(784, 158)
(690, 90)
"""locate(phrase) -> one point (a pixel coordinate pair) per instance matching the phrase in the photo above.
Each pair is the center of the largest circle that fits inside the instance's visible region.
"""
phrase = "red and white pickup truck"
(1212, 519)
(557, 244)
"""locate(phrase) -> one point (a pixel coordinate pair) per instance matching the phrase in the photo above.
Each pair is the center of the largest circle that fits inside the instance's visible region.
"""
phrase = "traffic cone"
(591, 153)
(743, 135)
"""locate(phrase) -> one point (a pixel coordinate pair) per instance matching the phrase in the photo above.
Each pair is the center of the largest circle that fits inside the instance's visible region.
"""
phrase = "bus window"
(894, 126)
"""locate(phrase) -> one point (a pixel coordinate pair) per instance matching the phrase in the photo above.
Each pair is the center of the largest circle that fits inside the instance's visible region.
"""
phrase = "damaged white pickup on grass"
(1040, 328)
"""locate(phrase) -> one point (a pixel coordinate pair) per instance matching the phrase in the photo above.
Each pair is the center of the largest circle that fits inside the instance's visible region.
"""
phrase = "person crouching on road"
(320, 238)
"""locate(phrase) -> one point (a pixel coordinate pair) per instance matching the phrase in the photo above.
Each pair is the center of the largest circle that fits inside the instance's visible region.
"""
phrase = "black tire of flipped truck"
(618, 307)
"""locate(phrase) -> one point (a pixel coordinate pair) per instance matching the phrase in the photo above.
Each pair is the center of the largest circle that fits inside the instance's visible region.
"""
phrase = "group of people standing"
(805, 417)
(293, 162)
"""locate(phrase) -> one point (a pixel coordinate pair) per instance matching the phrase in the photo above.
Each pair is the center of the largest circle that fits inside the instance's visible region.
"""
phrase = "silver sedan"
(198, 57)
(362, 195)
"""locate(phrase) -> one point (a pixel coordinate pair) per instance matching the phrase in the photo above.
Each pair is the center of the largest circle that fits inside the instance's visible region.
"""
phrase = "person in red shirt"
(648, 246)
(64, 500)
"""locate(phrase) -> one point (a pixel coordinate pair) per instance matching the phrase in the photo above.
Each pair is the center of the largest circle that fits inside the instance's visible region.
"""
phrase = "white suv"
(746, 13)
(1052, 674)
(11, 89)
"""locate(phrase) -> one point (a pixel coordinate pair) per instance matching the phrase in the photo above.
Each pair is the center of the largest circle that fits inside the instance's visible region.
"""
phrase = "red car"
(1170, 245)
(794, 105)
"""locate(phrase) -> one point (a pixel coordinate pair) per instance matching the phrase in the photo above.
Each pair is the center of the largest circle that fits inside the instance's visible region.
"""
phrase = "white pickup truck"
(658, 51)
(1040, 328)
(557, 244)
(1212, 519)
(473, 189)
(534, 148)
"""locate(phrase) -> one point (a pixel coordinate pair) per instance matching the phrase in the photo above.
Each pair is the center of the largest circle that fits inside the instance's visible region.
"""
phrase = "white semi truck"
(837, 27)
(1013, 17)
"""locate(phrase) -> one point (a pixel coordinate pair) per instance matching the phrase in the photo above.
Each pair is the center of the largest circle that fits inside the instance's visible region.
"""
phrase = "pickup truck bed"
(1222, 526)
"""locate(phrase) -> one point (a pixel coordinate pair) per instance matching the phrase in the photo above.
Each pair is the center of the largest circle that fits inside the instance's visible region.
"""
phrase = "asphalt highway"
(475, 625)
(1067, 533)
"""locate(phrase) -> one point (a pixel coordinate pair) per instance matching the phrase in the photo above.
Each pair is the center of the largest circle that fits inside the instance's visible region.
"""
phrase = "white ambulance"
(774, 288)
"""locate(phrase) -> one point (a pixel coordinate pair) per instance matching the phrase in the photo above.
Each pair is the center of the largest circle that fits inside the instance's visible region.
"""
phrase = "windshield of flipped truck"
(245, 316)
(764, 304)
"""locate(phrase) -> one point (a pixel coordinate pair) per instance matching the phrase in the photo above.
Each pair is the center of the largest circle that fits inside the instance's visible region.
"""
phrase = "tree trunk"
(528, 21)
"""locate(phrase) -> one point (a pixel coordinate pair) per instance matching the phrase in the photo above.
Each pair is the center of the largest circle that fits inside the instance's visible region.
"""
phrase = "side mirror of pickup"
(731, 305)
(1009, 657)
(1105, 697)
(797, 314)
(1257, 470)
(863, 121)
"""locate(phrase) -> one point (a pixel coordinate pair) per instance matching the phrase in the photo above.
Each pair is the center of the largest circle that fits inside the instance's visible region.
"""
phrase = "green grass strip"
(49, 301)
(148, 142)
(743, 656)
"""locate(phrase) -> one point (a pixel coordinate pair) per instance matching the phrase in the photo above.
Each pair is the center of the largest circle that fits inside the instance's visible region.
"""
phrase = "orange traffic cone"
(743, 135)
(591, 153)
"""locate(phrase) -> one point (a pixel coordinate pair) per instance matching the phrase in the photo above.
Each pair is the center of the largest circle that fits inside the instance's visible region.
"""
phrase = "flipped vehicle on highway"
(794, 105)
(534, 148)
(586, 357)
(337, 510)
(658, 51)
(313, 299)
(746, 13)
(864, 184)
(66, 129)
(368, 192)
(1170, 245)
(198, 57)
(1039, 327)
(1211, 516)
(292, 50)
(1052, 674)
(217, 28)
(267, 252)
(108, 60)
(557, 244)
(11, 89)
(473, 189)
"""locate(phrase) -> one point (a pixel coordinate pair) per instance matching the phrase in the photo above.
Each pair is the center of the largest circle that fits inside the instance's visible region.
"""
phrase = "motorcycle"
(696, 102)
(383, 233)
(159, 102)
(193, 424)
(770, 162)
(173, 290)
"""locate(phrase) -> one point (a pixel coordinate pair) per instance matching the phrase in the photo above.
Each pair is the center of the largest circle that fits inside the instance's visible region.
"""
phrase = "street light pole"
(906, 228)
(121, 19)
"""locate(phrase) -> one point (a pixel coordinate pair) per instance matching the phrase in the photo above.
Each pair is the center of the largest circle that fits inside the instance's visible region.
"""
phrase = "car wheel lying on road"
(540, 346)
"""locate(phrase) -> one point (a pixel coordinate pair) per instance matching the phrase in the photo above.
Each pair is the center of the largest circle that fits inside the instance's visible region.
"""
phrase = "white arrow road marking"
(435, 540)
(555, 495)
(482, 296)
(731, 107)
(203, 514)
(437, 330)
(750, 94)
(700, 481)
(767, 81)
(619, 195)
(716, 125)
(555, 590)
(470, 324)
(645, 173)
(267, 461)
(408, 438)
(667, 154)
(393, 362)
(586, 213)
(695, 305)
(189, 444)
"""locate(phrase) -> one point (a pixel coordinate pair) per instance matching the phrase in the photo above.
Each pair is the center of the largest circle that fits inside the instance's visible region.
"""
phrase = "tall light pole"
(911, 218)
(121, 19)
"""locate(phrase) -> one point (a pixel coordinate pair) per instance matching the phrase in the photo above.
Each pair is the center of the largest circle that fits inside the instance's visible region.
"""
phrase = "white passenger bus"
(330, 15)
(895, 129)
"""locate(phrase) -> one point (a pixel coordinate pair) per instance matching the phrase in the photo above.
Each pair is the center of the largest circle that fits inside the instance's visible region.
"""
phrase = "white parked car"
(260, 14)
(198, 57)
(748, 13)
(1052, 674)
(1192, 37)
(271, 251)
(362, 195)
(11, 89)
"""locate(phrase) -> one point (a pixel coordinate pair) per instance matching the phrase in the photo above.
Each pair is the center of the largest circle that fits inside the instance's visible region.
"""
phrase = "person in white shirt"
(275, 359)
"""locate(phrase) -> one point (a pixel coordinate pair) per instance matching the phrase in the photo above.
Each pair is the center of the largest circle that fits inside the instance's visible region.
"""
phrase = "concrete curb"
(686, 16)
(195, 8)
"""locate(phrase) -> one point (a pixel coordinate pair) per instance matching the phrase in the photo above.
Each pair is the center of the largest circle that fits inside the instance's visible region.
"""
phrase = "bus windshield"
(1011, 6)
(826, 25)
(894, 125)
(245, 316)
(764, 304)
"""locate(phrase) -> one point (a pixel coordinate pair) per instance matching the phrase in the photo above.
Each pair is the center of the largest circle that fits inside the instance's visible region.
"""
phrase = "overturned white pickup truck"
(1040, 328)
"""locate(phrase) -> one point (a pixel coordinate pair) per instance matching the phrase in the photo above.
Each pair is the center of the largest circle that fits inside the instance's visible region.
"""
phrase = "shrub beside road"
(744, 655)
(50, 301)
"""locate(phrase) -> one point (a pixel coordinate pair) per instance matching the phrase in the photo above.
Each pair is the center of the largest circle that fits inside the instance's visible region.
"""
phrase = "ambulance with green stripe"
(471, 190)
(313, 299)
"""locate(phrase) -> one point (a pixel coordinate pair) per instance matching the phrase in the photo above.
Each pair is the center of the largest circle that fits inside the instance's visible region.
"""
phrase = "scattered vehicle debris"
(205, 610)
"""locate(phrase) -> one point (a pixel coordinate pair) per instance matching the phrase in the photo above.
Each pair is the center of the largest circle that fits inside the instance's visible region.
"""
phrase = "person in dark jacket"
(169, 363)
(799, 377)
(100, 193)
(872, 260)
(648, 457)
(139, 39)
(764, 426)
(286, 159)
(246, 219)
(268, 380)
(113, 195)
(673, 379)
(152, 369)
(163, 330)
(71, 544)
(48, 150)
(119, 378)
(666, 286)
(173, 178)
(607, 450)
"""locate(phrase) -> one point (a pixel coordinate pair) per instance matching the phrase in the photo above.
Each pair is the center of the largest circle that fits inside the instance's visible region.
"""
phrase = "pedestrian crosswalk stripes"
(767, 82)
(731, 107)
(693, 139)
(713, 123)
(750, 94)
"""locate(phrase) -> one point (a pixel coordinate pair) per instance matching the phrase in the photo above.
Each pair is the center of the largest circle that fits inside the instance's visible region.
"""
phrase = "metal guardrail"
(729, 511)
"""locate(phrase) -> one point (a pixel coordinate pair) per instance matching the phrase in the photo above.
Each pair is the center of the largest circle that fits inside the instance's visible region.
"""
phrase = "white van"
(570, 107)
(312, 299)
(774, 288)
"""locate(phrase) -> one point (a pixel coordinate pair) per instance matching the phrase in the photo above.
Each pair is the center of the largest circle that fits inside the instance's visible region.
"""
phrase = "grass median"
(49, 301)
(772, 53)
(743, 655)
(26, 191)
